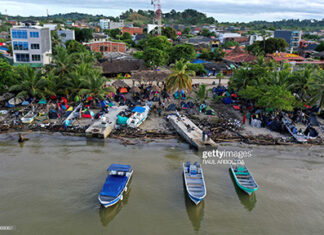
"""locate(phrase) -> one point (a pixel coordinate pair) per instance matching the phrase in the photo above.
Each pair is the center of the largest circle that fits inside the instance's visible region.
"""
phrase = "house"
(106, 46)
(132, 30)
(31, 45)
(13, 22)
(52, 27)
(291, 37)
(238, 55)
(223, 37)
(99, 37)
(285, 57)
(4, 35)
(240, 40)
(66, 35)
(200, 41)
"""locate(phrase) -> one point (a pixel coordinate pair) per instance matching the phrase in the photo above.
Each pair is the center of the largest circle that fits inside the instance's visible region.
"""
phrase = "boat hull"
(248, 191)
(118, 198)
(193, 198)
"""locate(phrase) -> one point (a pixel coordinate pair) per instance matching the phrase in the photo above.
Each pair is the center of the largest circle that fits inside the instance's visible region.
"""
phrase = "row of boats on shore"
(119, 177)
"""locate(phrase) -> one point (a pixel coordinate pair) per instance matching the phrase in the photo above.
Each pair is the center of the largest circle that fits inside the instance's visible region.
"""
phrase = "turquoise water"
(49, 185)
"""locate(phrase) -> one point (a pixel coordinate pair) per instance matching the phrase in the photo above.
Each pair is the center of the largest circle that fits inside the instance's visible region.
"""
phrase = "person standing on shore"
(244, 119)
(208, 135)
(203, 135)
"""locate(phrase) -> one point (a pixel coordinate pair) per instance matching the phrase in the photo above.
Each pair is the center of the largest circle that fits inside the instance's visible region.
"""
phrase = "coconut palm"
(180, 79)
(63, 61)
(94, 85)
(30, 82)
(299, 82)
(316, 86)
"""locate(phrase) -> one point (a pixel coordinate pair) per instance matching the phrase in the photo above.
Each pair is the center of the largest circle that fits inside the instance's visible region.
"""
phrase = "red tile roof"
(238, 55)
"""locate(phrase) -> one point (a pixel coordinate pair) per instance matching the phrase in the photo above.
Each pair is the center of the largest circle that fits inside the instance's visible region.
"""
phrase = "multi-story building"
(104, 24)
(116, 25)
(107, 24)
(31, 45)
(66, 35)
(291, 37)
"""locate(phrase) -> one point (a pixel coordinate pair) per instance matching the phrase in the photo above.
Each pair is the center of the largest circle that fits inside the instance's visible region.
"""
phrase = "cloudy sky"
(222, 10)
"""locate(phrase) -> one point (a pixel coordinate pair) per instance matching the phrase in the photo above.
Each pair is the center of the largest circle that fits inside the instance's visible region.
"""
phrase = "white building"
(66, 35)
(104, 24)
(31, 45)
(224, 36)
(107, 24)
(52, 27)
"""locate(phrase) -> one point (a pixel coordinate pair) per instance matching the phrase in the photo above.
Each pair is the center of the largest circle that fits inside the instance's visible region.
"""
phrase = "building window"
(115, 48)
(35, 57)
(34, 46)
(20, 46)
(22, 57)
(103, 48)
(19, 34)
(34, 34)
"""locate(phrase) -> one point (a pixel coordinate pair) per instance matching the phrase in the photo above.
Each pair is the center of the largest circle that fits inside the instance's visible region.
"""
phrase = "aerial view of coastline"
(161, 117)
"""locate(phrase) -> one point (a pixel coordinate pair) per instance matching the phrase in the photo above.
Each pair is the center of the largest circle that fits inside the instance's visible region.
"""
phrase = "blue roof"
(113, 185)
(119, 167)
(4, 48)
(138, 109)
(199, 61)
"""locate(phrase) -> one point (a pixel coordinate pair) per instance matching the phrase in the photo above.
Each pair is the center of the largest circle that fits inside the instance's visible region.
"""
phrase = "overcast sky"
(222, 10)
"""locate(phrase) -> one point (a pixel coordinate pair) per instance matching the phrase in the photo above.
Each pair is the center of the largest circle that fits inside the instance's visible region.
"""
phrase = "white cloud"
(222, 10)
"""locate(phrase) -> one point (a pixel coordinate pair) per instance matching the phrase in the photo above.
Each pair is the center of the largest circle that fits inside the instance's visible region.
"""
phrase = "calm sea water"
(49, 185)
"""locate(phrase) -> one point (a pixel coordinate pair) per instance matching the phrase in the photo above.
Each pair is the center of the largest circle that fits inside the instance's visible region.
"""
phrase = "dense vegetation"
(268, 87)
(73, 75)
(158, 51)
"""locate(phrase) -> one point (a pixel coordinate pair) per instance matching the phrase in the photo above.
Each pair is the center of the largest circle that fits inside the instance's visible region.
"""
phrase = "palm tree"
(30, 82)
(63, 61)
(180, 79)
(299, 83)
(316, 86)
(94, 85)
(201, 93)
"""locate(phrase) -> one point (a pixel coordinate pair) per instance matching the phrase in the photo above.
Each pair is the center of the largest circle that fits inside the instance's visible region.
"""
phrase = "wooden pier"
(104, 126)
(190, 132)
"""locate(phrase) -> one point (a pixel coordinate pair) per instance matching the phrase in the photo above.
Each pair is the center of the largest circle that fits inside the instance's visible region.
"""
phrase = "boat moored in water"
(115, 185)
(194, 181)
(243, 177)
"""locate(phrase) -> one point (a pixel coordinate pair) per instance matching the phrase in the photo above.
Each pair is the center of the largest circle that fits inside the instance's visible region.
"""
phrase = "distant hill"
(187, 17)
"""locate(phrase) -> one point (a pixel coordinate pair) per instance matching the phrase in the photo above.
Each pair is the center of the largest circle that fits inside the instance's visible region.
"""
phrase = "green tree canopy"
(154, 57)
(182, 51)
(169, 32)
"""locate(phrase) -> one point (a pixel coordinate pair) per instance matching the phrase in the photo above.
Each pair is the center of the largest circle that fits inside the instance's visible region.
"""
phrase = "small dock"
(190, 132)
(104, 126)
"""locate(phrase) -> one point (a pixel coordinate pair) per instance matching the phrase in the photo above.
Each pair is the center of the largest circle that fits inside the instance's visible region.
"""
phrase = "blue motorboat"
(194, 181)
(115, 185)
